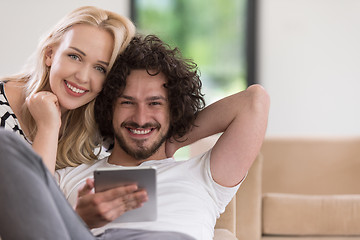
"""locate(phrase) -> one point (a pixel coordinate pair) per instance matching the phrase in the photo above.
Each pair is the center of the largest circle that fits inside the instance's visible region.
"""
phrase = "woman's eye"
(101, 69)
(74, 57)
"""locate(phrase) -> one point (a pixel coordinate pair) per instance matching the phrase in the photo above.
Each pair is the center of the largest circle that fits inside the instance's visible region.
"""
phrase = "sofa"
(297, 189)
(311, 188)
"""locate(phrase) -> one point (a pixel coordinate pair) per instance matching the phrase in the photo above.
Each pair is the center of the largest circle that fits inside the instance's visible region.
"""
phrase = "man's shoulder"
(202, 157)
(194, 163)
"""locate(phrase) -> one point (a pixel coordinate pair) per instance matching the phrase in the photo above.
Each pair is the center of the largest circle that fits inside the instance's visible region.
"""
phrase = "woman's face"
(78, 65)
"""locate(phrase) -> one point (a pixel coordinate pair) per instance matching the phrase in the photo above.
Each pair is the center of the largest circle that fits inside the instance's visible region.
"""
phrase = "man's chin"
(141, 154)
(138, 149)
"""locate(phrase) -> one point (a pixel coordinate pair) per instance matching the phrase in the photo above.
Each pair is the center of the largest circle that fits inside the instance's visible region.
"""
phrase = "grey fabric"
(31, 204)
(33, 207)
(135, 234)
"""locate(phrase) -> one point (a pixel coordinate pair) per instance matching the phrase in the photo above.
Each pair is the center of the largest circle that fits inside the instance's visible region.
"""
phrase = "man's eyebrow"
(82, 53)
(156, 98)
(127, 97)
(152, 98)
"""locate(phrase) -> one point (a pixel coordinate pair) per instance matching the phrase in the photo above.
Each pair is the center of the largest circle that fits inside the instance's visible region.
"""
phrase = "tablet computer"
(144, 177)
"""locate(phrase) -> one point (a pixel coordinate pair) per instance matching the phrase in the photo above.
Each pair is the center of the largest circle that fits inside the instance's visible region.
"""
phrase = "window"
(211, 32)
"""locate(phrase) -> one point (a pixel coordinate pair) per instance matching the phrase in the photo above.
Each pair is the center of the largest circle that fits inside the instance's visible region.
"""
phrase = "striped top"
(8, 120)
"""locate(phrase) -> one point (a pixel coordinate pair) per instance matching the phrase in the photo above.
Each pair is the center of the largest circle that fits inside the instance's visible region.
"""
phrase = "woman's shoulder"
(13, 86)
(13, 92)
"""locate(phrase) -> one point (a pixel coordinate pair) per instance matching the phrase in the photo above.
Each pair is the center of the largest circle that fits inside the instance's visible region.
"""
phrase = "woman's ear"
(49, 55)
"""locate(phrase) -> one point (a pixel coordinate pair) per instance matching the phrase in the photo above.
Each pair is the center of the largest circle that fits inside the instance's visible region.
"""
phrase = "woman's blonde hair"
(79, 136)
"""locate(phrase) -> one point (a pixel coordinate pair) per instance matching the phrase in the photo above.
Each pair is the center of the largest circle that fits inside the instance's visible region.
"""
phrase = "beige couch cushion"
(311, 165)
(223, 234)
(310, 238)
(292, 214)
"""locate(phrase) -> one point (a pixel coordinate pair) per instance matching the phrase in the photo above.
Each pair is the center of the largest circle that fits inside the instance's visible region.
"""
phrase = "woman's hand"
(45, 109)
(98, 209)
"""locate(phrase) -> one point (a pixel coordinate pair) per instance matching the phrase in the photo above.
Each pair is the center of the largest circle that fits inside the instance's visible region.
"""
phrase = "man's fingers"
(115, 193)
(88, 186)
(103, 207)
(133, 200)
(111, 210)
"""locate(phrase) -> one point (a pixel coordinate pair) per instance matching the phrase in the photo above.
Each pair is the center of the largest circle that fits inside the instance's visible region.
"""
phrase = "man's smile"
(137, 131)
(140, 131)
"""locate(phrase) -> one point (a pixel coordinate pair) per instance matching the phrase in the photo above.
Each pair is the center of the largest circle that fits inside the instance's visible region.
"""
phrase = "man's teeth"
(136, 131)
(74, 89)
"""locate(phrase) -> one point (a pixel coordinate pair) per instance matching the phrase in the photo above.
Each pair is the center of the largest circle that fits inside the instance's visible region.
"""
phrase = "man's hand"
(98, 209)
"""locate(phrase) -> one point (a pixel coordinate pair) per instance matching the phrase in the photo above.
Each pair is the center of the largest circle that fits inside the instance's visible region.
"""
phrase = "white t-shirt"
(189, 200)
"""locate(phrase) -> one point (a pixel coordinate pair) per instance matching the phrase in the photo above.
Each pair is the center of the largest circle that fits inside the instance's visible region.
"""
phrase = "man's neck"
(120, 157)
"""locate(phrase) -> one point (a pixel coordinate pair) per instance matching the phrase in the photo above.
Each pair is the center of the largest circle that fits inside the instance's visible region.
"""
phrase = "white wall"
(309, 57)
(23, 22)
(309, 61)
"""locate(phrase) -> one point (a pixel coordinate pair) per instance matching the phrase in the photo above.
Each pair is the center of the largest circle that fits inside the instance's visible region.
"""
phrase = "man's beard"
(141, 152)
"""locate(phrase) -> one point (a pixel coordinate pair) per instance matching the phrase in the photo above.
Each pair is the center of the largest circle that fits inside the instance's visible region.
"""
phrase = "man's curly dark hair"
(183, 84)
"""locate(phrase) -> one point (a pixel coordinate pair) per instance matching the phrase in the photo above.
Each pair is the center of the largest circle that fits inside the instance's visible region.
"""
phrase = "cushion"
(310, 238)
(223, 234)
(326, 215)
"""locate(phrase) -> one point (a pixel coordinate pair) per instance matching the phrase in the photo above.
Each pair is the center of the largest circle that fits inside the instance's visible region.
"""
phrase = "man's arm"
(242, 118)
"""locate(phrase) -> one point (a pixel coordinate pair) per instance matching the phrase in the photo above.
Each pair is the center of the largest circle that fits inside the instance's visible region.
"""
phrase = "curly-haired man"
(151, 105)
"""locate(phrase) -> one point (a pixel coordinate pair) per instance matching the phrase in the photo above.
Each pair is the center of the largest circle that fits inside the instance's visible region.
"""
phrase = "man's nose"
(141, 115)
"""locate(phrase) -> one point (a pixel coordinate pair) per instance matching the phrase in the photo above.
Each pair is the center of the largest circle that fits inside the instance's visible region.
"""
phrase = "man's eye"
(155, 103)
(126, 103)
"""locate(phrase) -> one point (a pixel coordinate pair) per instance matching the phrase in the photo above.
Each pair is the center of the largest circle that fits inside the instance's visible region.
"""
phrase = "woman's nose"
(83, 74)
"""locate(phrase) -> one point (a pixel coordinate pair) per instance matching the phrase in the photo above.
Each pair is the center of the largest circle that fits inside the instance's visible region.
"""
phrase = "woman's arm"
(44, 108)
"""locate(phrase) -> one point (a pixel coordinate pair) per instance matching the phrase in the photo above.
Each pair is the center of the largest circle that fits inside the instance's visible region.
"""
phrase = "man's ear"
(49, 55)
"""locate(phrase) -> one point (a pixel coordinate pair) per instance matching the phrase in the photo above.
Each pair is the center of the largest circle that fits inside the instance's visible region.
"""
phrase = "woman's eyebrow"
(105, 63)
(82, 53)
(78, 50)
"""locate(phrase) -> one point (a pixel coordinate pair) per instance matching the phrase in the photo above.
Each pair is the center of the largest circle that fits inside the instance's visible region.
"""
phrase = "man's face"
(141, 115)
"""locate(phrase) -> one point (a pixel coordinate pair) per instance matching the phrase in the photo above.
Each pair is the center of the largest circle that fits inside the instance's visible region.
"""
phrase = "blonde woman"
(51, 105)
(51, 102)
